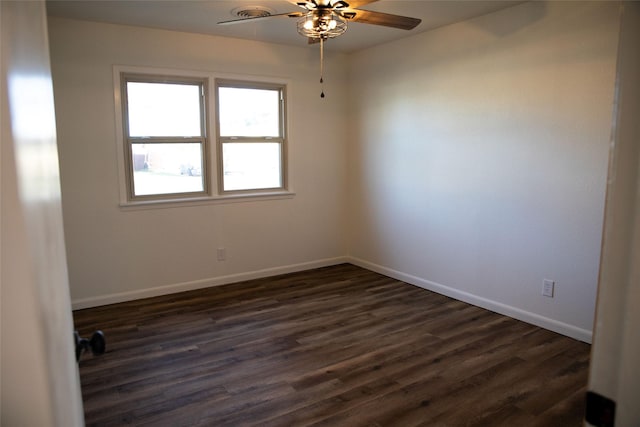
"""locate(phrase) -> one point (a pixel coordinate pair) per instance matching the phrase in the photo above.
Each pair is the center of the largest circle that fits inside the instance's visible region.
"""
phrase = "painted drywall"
(614, 369)
(478, 158)
(117, 254)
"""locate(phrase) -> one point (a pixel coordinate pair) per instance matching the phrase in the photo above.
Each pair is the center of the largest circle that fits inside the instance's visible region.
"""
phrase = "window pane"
(167, 168)
(249, 112)
(251, 166)
(163, 109)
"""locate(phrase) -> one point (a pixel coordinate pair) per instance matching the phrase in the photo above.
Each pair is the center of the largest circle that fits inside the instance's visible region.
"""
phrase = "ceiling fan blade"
(380, 18)
(259, 18)
(305, 4)
(339, 4)
(329, 4)
(354, 4)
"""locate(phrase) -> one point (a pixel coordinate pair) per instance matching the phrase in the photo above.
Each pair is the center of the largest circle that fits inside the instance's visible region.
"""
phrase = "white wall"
(117, 254)
(478, 158)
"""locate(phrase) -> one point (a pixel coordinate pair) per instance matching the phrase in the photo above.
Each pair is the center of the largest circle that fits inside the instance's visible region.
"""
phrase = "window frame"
(214, 196)
(129, 141)
(281, 139)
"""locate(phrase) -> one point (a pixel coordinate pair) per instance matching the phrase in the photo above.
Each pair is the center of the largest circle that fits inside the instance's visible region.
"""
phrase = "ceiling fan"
(325, 19)
(319, 14)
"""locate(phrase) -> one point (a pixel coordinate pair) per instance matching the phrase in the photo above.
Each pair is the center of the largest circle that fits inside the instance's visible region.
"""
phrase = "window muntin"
(251, 136)
(165, 137)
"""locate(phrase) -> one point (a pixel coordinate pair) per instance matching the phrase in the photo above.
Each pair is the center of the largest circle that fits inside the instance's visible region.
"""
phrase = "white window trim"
(216, 196)
(281, 139)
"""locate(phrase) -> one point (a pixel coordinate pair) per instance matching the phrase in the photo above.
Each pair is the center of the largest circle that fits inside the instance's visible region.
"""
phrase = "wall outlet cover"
(547, 287)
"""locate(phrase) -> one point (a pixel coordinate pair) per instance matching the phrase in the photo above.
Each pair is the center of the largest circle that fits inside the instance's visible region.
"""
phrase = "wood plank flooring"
(336, 346)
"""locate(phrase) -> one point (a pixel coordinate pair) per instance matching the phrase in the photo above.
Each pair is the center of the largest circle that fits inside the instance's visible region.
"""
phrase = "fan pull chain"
(321, 67)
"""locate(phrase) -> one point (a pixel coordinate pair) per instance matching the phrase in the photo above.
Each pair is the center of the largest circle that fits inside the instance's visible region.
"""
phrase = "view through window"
(251, 135)
(166, 138)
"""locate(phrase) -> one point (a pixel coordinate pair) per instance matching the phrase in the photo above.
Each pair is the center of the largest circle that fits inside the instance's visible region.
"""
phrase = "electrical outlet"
(222, 254)
(548, 287)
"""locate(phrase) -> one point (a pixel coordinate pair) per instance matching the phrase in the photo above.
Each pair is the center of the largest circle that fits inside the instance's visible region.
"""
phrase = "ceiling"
(201, 16)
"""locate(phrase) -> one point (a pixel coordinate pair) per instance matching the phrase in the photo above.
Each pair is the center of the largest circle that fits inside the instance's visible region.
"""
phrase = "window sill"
(198, 201)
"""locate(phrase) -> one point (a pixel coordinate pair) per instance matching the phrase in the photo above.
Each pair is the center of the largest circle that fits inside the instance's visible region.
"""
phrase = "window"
(165, 136)
(251, 136)
(166, 120)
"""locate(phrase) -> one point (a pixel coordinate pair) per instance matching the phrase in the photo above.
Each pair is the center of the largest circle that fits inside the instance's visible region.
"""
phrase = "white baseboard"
(202, 283)
(507, 310)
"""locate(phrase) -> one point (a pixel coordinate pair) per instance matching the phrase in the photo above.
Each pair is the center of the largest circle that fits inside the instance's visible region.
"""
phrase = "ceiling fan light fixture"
(323, 24)
(308, 24)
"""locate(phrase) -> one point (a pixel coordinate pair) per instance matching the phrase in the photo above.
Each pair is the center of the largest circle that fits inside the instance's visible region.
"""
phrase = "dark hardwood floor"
(336, 346)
